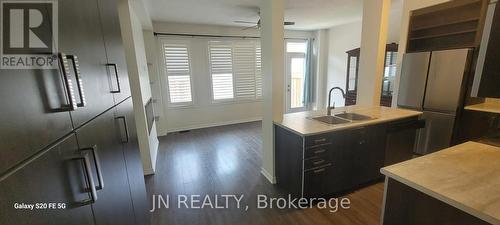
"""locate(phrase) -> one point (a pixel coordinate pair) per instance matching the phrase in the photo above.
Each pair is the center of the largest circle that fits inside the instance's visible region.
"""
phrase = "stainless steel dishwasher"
(401, 140)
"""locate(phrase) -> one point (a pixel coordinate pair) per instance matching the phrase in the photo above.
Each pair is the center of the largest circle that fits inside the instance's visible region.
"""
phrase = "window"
(178, 70)
(235, 68)
(296, 56)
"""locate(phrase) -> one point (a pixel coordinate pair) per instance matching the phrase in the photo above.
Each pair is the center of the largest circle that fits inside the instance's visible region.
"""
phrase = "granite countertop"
(302, 123)
(485, 107)
(465, 176)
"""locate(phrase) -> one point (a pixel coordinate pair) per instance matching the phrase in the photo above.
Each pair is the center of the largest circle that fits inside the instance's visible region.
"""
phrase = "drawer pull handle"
(319, 170)
(319, 151)
(318, 162)
(320, 140)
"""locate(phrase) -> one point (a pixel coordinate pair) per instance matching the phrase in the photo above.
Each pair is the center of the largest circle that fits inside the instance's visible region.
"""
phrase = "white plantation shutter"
(244, 69)
(258, 70)
(221, 67)
(178, 73)
(236, 69)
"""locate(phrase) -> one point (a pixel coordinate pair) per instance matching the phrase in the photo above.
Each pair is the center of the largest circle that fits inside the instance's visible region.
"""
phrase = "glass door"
(295, 75)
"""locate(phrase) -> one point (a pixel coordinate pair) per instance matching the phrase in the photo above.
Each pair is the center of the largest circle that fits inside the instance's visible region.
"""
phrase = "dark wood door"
(31, 116)
(54, 177)
(117, 66)
(368, 151)
(490, 79)
(80, 35)
(128, 134)
(114, 204)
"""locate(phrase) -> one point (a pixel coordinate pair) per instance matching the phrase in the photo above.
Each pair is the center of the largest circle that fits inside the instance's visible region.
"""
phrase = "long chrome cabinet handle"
(63, 60)
(97, 164)
(127, 135)
(78, 77)
(90, 179)
(116, 76)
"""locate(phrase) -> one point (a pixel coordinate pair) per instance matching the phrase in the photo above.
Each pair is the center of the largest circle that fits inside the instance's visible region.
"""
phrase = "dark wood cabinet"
(488, 80)
(125, 121)
(333, 162)
(80, 35)
(116, 66)
(58, 176)
(387, 81)
(473, 125)
(88, 159)
(101, 139)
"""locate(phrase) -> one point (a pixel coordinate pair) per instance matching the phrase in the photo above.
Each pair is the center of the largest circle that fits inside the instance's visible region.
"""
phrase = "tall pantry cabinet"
(85, 160)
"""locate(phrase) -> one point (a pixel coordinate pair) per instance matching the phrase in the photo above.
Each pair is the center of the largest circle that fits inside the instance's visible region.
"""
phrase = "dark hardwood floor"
(227, 160)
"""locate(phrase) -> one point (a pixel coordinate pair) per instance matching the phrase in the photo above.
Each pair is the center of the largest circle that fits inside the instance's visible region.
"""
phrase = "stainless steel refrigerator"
(431, 82)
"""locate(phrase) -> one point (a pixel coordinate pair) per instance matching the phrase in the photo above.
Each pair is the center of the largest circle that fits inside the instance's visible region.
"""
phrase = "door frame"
(288, 81)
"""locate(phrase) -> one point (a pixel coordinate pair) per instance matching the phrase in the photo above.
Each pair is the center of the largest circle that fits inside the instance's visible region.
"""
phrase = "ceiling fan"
(257, 24)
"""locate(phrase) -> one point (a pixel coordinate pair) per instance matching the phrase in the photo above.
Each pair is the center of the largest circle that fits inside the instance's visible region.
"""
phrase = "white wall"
(341, 39)
(204, 112)
(135, 55)
(346, 37)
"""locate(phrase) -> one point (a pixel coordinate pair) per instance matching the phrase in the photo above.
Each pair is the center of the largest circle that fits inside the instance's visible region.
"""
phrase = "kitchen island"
(314, 158)
(459, 185)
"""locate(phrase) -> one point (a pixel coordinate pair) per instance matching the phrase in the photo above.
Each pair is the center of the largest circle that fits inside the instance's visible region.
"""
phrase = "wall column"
(272, 42)
(373, 41)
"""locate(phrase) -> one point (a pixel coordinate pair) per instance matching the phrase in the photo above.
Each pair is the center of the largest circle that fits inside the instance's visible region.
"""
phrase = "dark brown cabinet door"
(80, 35)
(101, 136)
(367, 153)
(31, 116)
(128, 135)
(490, 78)
(116, 66)
(55, 182)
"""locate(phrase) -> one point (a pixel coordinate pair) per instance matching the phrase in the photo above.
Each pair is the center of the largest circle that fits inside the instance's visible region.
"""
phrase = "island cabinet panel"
(328, 163)
(366, 153)
(405, 205)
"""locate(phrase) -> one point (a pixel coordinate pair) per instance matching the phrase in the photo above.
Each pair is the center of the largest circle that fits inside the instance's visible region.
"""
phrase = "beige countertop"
(466, 176)
(485, 107)
(303, 124)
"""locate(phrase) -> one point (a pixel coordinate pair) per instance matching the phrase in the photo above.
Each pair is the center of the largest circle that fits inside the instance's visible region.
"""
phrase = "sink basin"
(353, 116)
(331, 120)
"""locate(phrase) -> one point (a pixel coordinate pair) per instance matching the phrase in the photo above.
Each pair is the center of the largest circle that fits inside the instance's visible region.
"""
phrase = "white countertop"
(465, 176)
(303, 124)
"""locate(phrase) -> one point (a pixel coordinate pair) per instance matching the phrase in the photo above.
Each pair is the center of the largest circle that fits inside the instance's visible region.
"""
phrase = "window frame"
(189, 45)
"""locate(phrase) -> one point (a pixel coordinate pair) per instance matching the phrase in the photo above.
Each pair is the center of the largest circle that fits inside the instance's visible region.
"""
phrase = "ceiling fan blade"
(286, 23)
(248, 22)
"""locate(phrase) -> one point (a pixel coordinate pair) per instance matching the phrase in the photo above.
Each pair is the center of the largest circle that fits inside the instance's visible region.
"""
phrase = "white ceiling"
(307, 14)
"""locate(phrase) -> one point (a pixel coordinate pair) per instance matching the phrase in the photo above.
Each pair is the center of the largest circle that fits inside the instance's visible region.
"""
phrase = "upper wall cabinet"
(451, 25)
(487, 76)
(116, 65)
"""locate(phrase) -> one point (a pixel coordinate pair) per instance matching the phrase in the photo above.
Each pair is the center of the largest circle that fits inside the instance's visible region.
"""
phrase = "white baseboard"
(206, 125)
(268, 176)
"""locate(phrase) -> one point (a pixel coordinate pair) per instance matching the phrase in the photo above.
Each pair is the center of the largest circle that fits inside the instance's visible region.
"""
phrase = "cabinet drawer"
(316, 162)
(315, 181)
(321, 151)
(318, 140)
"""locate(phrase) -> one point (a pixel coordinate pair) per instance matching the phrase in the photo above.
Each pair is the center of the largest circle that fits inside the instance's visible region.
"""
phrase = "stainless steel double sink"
(342, 118)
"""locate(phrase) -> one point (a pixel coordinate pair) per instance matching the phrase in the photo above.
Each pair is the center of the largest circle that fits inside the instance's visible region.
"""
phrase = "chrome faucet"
(328, 108)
